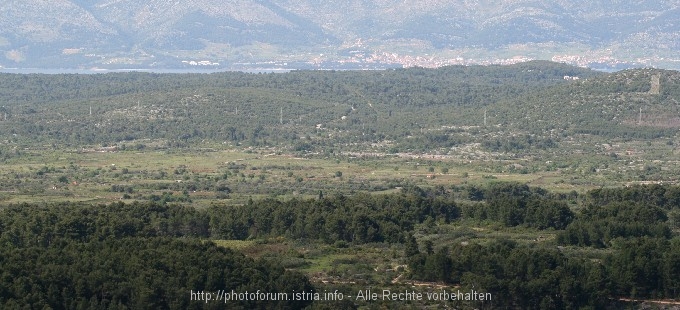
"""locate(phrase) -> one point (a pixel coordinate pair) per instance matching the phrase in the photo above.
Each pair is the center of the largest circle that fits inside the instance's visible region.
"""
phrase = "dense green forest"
(123, 255)
(126, 256)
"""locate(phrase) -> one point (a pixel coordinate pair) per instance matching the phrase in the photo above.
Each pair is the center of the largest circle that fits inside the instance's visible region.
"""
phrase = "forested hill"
(401, 109)
(633, 103)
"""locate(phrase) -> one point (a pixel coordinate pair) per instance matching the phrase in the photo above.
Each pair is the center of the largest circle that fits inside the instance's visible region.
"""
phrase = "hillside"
(395, 110)
(640, 102)
(303, 33)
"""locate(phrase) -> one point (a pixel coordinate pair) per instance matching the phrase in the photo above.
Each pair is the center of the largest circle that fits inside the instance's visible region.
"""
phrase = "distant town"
(367, 60)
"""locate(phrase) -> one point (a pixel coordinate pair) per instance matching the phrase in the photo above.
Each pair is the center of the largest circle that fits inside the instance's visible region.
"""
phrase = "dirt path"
(661, 302)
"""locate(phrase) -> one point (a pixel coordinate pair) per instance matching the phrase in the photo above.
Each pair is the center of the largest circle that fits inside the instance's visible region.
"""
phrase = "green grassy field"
(233, 175)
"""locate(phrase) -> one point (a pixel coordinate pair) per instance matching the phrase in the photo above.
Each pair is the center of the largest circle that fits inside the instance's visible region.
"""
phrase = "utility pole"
(484, 117)
(640, 117)
(281, 117)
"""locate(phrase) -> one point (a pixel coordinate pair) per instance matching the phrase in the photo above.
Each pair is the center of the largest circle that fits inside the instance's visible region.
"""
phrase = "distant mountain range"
(235, 34)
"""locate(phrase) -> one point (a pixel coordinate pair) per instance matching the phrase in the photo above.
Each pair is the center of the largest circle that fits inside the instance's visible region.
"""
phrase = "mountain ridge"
(160, 34)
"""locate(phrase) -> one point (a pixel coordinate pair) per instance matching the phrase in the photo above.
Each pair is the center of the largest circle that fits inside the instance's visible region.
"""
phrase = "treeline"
(538, 277)
(360, 218)
(365, 218)
(514, 204)
(27, 225)
(629, 212)
(599, 226)
(666, 197)
(517, 276)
